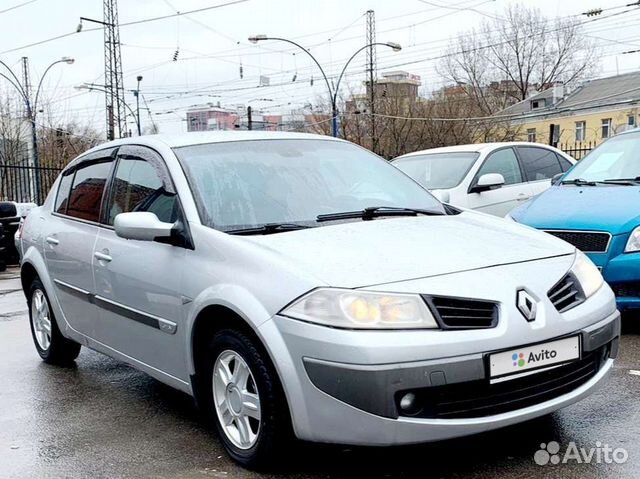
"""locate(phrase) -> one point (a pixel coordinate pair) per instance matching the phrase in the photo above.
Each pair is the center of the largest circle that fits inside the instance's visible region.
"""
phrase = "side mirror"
(488, 181)
(556, 178)
(141, 225)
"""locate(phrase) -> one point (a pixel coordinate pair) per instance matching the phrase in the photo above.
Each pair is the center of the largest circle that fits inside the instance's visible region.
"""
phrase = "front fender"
(233, 297)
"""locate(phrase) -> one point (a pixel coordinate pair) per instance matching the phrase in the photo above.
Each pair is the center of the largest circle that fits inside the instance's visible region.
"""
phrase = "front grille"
(586, 241)
(462, 313)
(566, 294)
(481, 398)
(626, 290)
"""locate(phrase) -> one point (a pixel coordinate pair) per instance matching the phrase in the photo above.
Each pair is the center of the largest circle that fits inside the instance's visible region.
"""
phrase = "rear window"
(86, 194)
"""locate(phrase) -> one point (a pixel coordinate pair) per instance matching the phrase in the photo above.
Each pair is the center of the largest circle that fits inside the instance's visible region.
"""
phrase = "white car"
(299, 286)
(490, 177)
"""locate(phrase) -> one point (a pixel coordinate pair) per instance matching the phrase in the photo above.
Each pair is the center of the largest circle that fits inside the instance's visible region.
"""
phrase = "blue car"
(595, 206)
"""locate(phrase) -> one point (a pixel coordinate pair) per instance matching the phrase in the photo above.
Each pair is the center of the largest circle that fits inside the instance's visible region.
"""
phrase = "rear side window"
(539, 163)
(138, 187)
(87, 190)
(62, 198)
(503, 161)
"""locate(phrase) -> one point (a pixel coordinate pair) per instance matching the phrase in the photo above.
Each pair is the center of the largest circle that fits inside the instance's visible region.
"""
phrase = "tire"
(51, 345)
(269, 426)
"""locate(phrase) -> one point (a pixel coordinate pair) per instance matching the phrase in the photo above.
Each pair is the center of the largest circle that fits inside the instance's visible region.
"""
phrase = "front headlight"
(633, 244)
(354, 309)
(587, 274)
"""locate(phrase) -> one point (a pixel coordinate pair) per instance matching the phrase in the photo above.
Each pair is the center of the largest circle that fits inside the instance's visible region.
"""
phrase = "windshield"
(616, 158)
(437, 171)
(250, 183)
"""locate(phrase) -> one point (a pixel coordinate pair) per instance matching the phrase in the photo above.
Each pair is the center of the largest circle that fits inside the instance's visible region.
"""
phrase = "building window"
(581, 129)
(531, 134)
(631, 121)
(606, 127)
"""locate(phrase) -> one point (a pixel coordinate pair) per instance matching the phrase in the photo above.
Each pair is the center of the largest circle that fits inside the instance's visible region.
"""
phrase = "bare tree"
(507, 58)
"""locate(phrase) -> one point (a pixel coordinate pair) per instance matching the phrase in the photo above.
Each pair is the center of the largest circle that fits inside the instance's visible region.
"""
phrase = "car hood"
(365, 253)
(615, 209)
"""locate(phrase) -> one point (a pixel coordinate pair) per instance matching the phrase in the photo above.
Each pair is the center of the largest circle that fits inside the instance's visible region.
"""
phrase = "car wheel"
(245, 400)
(51, 345)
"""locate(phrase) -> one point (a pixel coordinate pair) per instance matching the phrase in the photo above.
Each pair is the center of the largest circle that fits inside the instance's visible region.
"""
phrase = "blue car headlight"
(633, 244)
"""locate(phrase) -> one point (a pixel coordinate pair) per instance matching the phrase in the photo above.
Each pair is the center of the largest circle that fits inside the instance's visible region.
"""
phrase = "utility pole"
(34, 184)
(249, 119)
(114, 87)
(137, 95)
(371, 69)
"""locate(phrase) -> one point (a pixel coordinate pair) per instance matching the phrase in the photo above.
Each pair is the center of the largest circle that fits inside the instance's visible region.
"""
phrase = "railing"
(18, 183)
(577, 150)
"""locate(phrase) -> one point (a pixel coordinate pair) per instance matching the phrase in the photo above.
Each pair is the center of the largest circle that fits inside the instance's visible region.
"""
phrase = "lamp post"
(92, 87)
(333, 94)
(32, 111)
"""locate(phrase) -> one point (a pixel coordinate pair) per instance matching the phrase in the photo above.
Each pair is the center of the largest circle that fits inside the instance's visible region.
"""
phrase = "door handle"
(52, 241)
(522, 197)
(102, 256)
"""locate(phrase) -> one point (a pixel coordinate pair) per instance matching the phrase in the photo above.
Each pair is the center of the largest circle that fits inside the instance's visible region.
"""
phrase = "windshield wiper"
(376, 211)
(268, 228)
(623, 181)
(578, 182)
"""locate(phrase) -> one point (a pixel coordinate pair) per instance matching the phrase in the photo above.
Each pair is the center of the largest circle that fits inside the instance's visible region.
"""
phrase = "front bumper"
(342, 385)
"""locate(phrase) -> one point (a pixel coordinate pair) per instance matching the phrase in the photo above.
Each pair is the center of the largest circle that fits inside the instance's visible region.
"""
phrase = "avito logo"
(519, 359)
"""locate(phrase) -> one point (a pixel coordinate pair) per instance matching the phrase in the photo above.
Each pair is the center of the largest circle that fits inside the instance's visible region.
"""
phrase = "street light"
(333, 93)
(32, 110)
(92, 87)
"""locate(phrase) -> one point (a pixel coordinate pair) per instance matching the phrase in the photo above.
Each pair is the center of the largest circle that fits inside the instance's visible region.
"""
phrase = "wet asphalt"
(103, 419)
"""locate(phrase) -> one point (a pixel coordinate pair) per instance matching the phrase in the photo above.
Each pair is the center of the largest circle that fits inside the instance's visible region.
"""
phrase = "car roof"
(473, 148)
(199, 138)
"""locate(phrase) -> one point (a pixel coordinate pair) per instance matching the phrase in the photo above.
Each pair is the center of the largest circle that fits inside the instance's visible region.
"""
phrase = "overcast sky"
(212, 45)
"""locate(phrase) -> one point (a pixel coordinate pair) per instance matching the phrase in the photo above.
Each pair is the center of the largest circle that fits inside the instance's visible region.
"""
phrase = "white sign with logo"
(535, 356)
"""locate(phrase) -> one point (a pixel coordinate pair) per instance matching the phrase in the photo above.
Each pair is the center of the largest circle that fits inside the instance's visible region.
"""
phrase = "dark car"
(9, 223)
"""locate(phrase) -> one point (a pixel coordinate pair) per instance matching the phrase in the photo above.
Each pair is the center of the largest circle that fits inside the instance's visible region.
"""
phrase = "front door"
(70, 235)
(139, 283)
(501, 200)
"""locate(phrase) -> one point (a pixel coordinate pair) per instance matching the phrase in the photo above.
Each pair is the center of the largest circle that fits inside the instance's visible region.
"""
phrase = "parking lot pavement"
(102, 419)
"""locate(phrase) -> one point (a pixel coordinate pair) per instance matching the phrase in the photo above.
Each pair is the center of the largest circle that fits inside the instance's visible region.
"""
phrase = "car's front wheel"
(245, 400)
(51, 345)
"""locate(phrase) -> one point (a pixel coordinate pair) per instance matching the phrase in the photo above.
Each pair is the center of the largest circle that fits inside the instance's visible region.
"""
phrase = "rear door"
(70, 233)
(501, 200)
(540, 165)
(139, 283)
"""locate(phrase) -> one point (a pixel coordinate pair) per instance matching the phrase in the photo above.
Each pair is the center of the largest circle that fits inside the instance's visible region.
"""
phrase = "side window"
(138, 187)
(503, 161)
(87, 190)
(62, 198)
(539, 163)
(564, 163)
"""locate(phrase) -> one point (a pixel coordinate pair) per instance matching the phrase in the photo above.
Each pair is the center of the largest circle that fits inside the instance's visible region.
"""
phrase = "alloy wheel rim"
(236, 399)
(41, 319)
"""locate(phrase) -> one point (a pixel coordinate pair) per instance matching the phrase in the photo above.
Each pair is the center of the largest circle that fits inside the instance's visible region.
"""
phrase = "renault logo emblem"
(526, 304)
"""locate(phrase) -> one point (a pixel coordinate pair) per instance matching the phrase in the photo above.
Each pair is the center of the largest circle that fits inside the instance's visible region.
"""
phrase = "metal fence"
(20, 183)
(577, 150)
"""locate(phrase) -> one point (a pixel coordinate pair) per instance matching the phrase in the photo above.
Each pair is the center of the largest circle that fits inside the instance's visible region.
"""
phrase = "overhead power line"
(126, 24)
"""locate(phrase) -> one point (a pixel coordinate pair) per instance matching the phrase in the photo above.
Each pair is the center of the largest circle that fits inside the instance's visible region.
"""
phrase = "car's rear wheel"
(51, 345)
(245, 400)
